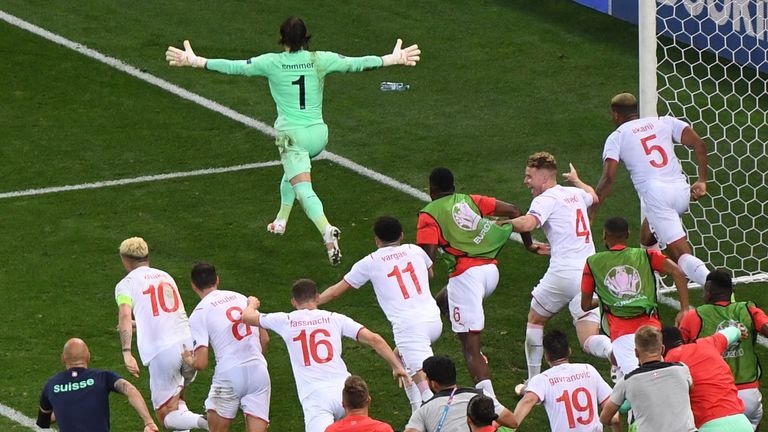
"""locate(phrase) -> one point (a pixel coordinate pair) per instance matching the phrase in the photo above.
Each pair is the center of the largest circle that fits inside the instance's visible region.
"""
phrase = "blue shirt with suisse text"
(80, 399)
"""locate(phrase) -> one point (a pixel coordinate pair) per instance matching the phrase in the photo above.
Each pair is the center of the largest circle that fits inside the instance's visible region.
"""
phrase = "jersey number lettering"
(157, 297)
(582, 227)
(572, 402)
(309, 346)
(302, 93)
(395, 273)
(654, 148)
(236, 322)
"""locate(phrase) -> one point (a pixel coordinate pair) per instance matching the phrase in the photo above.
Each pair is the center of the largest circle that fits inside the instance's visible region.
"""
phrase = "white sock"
(598, 346)
(426, 393)
(182, 420)
(414, 396)
(534, 351)
(694, 268)
(487, 388)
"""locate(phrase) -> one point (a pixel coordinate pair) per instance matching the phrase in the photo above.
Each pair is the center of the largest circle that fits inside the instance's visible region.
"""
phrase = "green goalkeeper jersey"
(296, 80)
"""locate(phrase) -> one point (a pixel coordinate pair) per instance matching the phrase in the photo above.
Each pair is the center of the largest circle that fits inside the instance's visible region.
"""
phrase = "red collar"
(618, 247)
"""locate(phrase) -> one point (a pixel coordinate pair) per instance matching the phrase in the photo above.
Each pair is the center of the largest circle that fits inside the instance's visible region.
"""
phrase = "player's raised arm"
(402, 56)
(604, 186)
(333, 292)
(185, 57)
(690, 138)
(251, 313)
(382, 348)
(573, 177)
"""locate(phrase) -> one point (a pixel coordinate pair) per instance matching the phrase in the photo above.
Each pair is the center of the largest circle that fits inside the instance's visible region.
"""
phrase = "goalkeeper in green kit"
(296, 78)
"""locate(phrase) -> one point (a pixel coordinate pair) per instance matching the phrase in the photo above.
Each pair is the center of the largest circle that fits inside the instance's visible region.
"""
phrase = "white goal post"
(705, 61)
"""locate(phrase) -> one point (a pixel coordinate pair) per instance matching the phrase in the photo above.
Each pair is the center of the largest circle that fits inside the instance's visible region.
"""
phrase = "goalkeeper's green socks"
(312, 205)
(287, 197)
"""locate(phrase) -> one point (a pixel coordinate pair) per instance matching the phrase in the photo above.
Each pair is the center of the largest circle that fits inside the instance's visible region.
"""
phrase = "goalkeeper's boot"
(331, 238)
(277, 227)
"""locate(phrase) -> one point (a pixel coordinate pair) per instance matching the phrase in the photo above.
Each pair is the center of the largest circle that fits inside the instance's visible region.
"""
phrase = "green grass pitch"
(498, 80)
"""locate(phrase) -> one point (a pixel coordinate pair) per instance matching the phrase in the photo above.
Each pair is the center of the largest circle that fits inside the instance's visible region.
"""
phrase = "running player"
(719, 312)
(561, 212)
(457, 224)
(240, 379)
(162, 329)
(645, 145)
(313, 338)
(296, 78)
(623, 279)
(400, 278)
(570, 392)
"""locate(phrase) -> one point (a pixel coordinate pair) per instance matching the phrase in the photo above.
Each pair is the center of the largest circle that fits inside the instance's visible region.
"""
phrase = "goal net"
(711, 70)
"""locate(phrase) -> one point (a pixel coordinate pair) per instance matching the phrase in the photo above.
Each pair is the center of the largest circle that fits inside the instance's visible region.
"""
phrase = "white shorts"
(322, 407)
(465, 297)
(753, 405)
(663, 204)
(245, 386)
(168, 375)
(624, 352)
(557, 289)
(415, 344)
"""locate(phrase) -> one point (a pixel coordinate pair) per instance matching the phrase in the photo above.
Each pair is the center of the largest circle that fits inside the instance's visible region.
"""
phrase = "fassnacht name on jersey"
(308, 323)
(300, 66)
(72, 386)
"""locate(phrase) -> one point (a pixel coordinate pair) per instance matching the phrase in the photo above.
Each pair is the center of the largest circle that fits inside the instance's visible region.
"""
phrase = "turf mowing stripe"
(142, 179)
(202, 101)
(19, 418)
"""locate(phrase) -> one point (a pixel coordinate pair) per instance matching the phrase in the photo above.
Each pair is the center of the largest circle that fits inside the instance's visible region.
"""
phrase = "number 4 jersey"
(161, 320)
(571, 394)
(313, 338)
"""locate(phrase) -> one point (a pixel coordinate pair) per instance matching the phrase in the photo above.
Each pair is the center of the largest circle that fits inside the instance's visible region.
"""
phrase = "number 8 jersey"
(161, 320)
(313, 338)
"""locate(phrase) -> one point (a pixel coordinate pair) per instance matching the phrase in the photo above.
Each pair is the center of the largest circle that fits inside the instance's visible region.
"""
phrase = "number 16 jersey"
(161, 320)
(313, 338)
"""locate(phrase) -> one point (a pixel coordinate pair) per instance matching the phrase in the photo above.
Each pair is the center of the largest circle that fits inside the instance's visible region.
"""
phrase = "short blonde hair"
(135, 248)
(648, 340)
(542, 160)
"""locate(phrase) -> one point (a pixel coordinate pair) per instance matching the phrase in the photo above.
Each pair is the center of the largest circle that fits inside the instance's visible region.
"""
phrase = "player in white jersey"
(570, 392)
(240, 379)
(561, 212)
(400, 278)
(162, 329)
(313, 338)
(646, 146)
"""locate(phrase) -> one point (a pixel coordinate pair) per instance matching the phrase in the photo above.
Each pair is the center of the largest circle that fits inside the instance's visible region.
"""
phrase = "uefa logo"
(623, 281)
(464, 217)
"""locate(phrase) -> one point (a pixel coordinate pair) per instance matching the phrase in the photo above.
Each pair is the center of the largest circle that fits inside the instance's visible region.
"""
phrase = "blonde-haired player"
(646, 146)
(561, 212)
(162, 329)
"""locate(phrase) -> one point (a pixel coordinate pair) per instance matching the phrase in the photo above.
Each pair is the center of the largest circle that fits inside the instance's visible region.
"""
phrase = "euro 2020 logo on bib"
(464, 217)
(735, 350)
(623, 281)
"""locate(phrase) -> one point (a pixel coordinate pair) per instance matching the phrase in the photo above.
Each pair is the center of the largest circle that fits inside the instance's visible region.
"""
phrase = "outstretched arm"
(125, 328)
(573, 177)
(523, 408)
(251, 313)
(691, 139)
(399, 56)
(334, 292)
(375, 341)
(137, 402)
(604, 186)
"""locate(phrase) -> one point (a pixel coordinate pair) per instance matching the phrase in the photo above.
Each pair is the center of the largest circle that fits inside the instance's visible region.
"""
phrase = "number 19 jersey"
(400, 278)
(313, 338)
(571, 394)
(161, 320)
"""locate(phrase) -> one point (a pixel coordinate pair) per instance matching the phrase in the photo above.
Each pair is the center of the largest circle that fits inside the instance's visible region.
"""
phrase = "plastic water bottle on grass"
(394, 86)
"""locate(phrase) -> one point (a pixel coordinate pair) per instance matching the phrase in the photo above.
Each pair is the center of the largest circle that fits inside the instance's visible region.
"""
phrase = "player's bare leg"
(680, 252)
(591, 341)
(255, 424)
(217, 423)
(175, 415)
(476, 362)
(647, 239)
(313, 207)
(442, 300)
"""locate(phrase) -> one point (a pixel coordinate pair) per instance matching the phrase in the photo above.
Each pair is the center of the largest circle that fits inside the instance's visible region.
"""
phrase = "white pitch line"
(202, 101)
(142, 179)
(19, 418)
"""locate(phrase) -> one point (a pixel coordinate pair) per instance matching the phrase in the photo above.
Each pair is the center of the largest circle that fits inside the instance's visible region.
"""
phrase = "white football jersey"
(313, 338)
(161, 320)
(646, 146)
(400, 278)
(571, 394)
(217, 320)
(562, 215)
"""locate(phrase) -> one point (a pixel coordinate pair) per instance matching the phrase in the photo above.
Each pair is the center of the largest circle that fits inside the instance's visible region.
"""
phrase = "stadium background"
(498, 80)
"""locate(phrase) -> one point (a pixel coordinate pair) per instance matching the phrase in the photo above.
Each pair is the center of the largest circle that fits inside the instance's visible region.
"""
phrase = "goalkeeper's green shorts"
(298, 146)
(734, 423)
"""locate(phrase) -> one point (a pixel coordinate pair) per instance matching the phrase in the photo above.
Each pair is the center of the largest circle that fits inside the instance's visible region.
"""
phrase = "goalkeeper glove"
(408, 56)
(187, 57)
